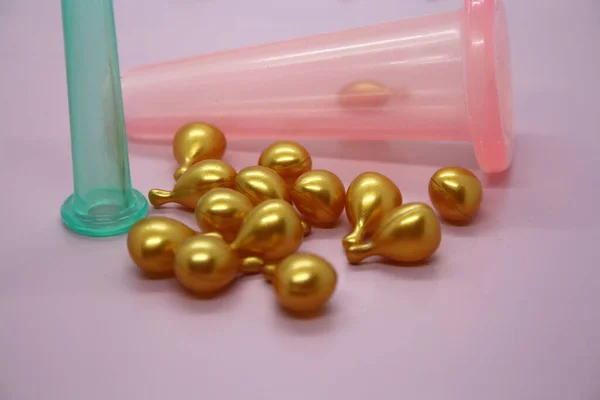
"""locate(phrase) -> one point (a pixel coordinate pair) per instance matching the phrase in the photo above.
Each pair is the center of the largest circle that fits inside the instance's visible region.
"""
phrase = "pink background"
(506, 310)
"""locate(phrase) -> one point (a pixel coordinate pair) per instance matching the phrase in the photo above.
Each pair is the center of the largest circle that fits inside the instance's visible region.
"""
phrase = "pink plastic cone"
(442, 77)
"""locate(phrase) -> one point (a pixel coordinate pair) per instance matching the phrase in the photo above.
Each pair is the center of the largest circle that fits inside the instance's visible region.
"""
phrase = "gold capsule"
(271, 231)
(304, 282)
(195, 142)
(456, 194)
(251, 265)
(370, 196)
(151, 244)
(407, 234)
(205, 265)
(222, 210)
(288, 159)
(320, 197)
(260, 183)
(364, 94)
(197, 180)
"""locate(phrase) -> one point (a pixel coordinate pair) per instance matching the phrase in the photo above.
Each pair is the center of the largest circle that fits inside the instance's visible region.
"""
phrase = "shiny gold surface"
(288, 159)
(456, 194)
(251, 265)
(271, 231)
(261, 183)
(151, 243)
(196, 142)
(197, 180)
(222, 210)
(370, 196)
(211, 234)
(320, 197)
(205, 265)
(306, 228)
(409, 233)
(269, 272)
(304, 282)
(364, 94)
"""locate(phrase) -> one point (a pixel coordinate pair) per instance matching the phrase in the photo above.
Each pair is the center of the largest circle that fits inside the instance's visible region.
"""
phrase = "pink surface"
(507, 309)
(436, 77)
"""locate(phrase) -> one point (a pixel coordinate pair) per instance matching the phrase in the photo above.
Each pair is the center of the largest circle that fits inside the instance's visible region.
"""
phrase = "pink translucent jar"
(442, 77)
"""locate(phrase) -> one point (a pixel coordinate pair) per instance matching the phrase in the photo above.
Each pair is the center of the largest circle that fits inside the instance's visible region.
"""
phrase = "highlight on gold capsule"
(195, 142)
(197, 180)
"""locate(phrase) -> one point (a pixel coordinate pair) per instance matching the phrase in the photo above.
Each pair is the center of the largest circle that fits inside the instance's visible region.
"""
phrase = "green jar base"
(104, 216)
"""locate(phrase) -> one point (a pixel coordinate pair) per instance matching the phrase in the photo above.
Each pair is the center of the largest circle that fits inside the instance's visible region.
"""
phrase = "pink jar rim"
(488, 85)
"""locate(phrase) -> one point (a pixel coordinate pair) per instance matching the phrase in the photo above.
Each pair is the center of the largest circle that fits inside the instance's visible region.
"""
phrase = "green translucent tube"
(103, 202)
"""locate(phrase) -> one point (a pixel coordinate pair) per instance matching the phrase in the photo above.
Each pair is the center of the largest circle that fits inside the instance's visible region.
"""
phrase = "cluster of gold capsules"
(248, 223)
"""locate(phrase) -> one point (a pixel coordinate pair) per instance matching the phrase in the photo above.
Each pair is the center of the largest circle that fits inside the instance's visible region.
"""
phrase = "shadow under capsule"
(227, 298)
(422, 270)
(320, 322)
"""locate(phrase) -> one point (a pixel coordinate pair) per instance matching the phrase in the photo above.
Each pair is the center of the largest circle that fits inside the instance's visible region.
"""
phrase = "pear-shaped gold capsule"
(407, 234)
(456, 194)
(260, 183)
(271, 231)
(205, 265)
(370, 196)
(320, 197)
(288, 159)
(195, 142)
(151, 244)
(303, 282)
(222, 210)
(197, 180)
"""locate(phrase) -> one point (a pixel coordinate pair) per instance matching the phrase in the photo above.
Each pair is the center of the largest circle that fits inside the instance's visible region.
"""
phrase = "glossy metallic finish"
(151, 244)
(197, 180)
(251, 265)
(407, 234)
(195, 142)
(320, 197)
(268, 271)
(456, 194)
(304, 282)
(370, 196)
(222, 210)
(260, 183)
(205, 265)
(288, 159)
(271, 231)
